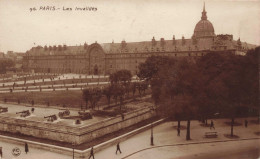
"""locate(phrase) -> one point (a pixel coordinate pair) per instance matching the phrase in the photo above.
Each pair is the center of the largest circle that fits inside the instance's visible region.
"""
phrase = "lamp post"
(152, 134)
(73, 146)
(152, 110)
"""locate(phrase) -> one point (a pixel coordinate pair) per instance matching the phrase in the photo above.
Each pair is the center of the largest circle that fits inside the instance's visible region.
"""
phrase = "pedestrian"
(179, 131)
(32, 110)
(26, 148)
(118, 148)
(1, 152)
(246, 122)
(91, 153)
(123, 116)
(212, 125)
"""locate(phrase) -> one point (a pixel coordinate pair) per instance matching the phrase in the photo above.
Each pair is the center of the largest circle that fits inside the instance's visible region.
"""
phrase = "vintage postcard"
(129, 79)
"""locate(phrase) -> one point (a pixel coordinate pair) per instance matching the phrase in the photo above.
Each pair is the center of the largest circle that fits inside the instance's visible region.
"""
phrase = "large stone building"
(2, 55)
(109, 57)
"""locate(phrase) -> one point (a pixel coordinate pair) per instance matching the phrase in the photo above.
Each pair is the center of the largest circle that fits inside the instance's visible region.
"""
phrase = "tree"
(121, 76)
(96, 95)
(128, 88)
(212, 89)
(122, 93)
(222, 83)
(251, 79)
(5, 64)
(116, 90)
(232, 80)
(183, 82)
(150, 67)
(133, 88)
(92, 96)
(107, 91)
(173, 88)
(86, 94)
(120, 84)
(227, 85)
(141, 86)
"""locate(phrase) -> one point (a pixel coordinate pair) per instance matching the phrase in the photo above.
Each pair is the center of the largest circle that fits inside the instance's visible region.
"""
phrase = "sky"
(117, 20)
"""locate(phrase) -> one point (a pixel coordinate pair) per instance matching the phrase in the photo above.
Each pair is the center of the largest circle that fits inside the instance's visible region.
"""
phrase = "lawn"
(56, 98)
(69, 98)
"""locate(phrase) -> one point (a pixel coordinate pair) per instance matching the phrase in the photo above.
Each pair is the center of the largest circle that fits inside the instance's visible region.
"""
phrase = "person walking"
(212, 125)
(246, 122)
(91, 153)
(123, 116)
(1, 152)
(32, 110)
(178, 131)
(26, 148)
(118, 148)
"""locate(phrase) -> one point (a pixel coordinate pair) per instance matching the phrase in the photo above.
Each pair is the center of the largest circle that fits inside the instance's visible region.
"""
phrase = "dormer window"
(162, 43)
(123, 44)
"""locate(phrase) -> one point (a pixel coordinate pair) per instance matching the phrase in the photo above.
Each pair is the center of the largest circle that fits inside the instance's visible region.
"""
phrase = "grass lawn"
(55, 98)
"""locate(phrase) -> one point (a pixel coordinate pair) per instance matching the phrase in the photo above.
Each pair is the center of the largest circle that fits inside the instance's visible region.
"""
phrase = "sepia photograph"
(129, 79)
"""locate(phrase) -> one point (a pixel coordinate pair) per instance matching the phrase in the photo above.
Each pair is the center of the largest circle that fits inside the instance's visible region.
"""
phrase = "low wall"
(79, 154)
(73, 134)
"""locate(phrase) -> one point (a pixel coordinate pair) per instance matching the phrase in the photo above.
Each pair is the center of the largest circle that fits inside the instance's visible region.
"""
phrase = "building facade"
(2, 55)
(107, 58)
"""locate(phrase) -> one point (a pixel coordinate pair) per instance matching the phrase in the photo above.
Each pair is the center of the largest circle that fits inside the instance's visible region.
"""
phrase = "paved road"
(33, 153)
(249, 149)
(166, 134)
(245, 149)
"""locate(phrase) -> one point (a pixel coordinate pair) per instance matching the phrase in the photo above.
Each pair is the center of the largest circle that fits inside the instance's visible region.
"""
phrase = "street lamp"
(152, 134)
(152, 110)
(73, 147)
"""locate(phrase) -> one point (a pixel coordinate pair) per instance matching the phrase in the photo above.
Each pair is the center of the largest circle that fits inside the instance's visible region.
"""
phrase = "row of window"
(84, 63)
(110, 56)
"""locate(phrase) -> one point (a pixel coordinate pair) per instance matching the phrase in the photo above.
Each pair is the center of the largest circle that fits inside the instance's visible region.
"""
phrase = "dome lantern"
(204, 13)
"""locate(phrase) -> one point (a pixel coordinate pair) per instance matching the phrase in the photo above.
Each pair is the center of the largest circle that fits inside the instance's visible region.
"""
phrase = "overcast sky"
(129, 20)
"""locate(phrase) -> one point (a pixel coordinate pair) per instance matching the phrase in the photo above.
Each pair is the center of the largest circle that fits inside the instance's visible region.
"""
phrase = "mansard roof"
(161, 45)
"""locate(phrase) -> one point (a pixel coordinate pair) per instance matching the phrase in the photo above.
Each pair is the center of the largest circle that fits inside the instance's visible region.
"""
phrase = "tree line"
(216, 84)
(119, 89)
(6, 64)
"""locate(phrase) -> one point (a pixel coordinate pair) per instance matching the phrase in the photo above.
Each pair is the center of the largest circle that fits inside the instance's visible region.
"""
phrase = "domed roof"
(204, 28)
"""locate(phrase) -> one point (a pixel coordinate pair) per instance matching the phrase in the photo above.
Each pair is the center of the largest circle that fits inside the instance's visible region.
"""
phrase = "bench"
(211, 134)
